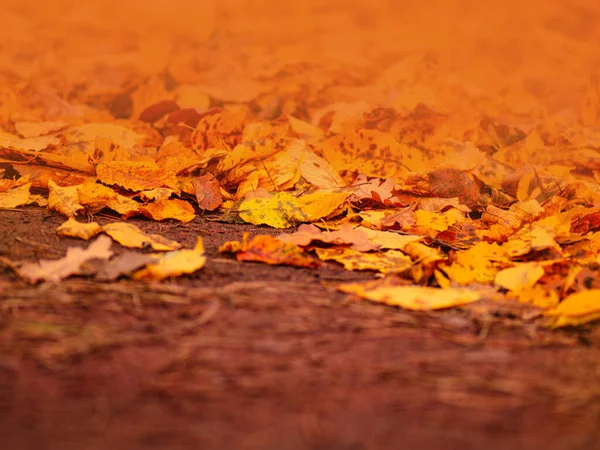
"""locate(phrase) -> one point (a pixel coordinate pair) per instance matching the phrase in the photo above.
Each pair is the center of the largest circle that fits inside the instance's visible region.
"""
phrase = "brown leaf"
(73, 263)
(208, 192)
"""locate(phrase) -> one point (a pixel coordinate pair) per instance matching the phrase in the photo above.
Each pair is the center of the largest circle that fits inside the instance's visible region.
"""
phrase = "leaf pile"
(452, 178)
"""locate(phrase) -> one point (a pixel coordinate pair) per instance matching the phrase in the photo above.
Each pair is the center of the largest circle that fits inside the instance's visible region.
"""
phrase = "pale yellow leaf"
(392, 261)
(411, 297)
(128, 235)
(173, 264)
(72, 228)
(15, 197)
(65, 200)
(522, 276)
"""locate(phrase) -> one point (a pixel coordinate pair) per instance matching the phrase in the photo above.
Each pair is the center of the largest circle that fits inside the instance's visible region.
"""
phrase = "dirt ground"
(248, 356)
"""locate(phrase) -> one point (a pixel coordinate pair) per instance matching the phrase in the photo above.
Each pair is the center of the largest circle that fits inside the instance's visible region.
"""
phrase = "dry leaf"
(129, 235)
(270, 250)
(208, 192)
(64, 200)
(411, 297)
(174, 264)
(73, 263)
(72, 228)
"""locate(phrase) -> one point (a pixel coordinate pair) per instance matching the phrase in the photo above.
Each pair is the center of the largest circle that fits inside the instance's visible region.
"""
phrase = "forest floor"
(250, 356)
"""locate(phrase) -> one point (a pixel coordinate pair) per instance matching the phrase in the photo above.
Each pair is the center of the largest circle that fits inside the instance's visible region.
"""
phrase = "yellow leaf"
(576, 309)
(15, 197)
(420, 253)
(129, 235)
(321, 204)
(389, 239)
(305, 129)
(85, 135)
(284, 210)
(72, 228)
(538, 296)
(532, 239)
(433, 221)
(34, 144)
(319, 172)
(411, 297)
(36, 129)
(522, 276)
(94, 196)
(7, 184)
(173, 264)
(65, 200)
(475, 265)
(392, 261)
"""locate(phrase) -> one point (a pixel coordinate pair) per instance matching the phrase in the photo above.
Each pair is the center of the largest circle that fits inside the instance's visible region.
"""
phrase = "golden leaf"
(520, 277)
(72, 228)
(173, 264)
(135, 175)
(65, 200)
(411, 297)
(576, 309)
(15, 197)
(169, 209)
(392, 261)
(129, 235)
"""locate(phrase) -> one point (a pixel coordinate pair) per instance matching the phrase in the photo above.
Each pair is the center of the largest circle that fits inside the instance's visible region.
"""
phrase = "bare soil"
(249, 356)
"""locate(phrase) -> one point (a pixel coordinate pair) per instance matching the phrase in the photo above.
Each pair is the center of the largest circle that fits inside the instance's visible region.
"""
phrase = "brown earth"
(248, 356)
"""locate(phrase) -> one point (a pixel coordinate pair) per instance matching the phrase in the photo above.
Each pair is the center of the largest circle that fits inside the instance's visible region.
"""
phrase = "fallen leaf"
(73, 263)
(356, 239)
(577, 309)
(64, 200)
(270, 250)
(411, 297)
(123, 264)
(208, 192)
(174, 264)
(15, 197)
(135, 175)
(72, 228)
(128, 235)
(392, 261)
(169, 209)
(520, 277)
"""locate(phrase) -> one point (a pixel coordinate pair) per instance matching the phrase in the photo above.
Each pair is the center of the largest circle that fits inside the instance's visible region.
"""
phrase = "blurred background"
(517, 61)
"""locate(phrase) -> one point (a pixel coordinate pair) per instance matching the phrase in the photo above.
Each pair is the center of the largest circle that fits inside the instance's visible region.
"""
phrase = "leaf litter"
(428, 184)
